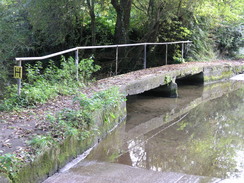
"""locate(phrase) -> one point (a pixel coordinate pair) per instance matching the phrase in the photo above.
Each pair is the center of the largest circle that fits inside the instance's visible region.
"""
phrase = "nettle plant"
(86, 69)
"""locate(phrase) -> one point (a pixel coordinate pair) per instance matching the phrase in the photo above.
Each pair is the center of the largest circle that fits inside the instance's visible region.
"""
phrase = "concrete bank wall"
(50, 161)
(220, 72)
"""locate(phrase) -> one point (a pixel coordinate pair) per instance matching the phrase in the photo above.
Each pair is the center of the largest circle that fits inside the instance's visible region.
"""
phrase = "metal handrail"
(94, 47)
(76, 49)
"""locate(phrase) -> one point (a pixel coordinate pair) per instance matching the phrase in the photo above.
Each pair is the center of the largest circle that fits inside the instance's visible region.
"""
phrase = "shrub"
(228, 40)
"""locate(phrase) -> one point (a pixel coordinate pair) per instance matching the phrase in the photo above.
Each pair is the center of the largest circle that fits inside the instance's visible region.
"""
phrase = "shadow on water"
(199, 133)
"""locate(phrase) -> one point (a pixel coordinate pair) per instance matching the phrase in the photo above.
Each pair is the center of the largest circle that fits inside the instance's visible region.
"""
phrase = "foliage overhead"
(38, 27)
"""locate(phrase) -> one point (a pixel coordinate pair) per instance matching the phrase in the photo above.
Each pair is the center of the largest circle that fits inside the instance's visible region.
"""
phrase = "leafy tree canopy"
(38, 27)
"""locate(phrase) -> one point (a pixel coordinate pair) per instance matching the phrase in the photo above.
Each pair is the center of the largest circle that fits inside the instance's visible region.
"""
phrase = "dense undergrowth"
(42, 84)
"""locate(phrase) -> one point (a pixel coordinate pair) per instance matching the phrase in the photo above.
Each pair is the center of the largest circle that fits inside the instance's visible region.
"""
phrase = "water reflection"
(138, 155)
(201, 134)
(205, 142)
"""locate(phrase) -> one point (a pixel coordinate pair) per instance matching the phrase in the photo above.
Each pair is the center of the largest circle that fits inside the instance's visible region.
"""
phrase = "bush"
(86, 69)
(228, 40)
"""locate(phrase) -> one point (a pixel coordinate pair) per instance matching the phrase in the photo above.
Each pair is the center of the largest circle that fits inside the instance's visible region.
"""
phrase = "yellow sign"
(18, 72)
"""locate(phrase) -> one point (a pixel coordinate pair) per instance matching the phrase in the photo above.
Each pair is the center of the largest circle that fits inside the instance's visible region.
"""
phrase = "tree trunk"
(179, 7)
(90, 4)
(123, 9)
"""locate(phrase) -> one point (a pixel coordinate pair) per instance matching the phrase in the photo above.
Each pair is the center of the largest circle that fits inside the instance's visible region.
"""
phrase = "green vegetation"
(167, 79)
(106, 98)
(78, 122)
(39, 27)
(42, 84)
(9, 163)
(66, 123)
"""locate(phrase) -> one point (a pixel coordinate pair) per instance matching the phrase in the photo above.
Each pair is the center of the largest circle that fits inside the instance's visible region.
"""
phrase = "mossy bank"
(52, 159)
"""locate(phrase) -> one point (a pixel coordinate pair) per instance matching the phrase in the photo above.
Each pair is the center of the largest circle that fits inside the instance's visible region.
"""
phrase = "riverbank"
(18, 127)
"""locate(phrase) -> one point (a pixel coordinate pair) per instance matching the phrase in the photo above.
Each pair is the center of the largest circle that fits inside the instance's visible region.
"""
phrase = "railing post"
(77, 64)
(145, 56)
(187, 46)
(166, 54)
(182, 51)
(117, 59)
(19, 80)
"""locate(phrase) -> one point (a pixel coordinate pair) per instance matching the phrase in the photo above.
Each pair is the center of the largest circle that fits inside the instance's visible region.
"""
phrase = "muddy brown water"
(186, 134)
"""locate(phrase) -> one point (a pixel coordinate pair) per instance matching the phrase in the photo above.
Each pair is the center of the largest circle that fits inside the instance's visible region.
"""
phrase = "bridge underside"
(171, 89)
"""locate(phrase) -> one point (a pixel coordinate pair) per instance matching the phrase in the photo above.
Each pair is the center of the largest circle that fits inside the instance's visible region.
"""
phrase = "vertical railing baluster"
(166, 54)
(19, 80)
(182, 51)
(117, 60)
(145, 56)
(77, 64)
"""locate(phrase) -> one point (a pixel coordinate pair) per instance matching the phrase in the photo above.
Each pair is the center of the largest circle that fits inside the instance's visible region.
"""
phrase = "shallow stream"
(199, 133)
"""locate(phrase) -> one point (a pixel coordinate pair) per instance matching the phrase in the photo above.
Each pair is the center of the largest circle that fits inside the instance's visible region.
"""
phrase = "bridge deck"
(142, 80)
